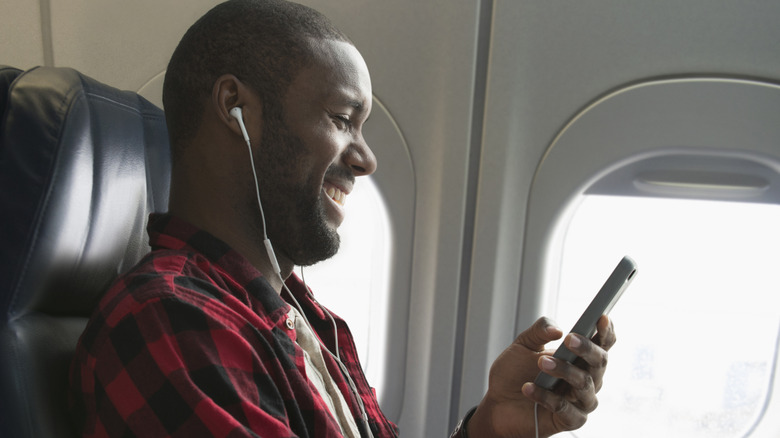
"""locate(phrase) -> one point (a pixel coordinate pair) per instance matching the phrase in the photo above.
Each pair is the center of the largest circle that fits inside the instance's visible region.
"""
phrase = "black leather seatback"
(81, 166)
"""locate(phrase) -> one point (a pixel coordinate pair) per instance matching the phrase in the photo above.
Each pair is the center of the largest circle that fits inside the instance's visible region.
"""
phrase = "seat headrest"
(7, 75)
(81, 166)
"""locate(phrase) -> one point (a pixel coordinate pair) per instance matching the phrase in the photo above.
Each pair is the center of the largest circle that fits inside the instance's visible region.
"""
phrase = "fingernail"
(547, 363)
(574, 341)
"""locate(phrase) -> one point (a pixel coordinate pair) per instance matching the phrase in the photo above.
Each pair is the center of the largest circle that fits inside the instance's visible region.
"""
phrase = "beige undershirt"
(317, 373)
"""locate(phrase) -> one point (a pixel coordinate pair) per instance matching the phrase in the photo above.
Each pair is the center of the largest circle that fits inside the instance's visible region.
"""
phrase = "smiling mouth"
(336, 195)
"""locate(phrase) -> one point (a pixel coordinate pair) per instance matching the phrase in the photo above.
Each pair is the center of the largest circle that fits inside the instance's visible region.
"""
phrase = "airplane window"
(698, 330)
(353, 284)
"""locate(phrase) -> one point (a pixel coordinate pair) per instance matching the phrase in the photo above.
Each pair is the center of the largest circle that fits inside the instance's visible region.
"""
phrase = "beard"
(296, 221)
(316, 241)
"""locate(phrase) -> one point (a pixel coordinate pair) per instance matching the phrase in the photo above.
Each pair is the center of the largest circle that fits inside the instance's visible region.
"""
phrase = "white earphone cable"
(536, 419)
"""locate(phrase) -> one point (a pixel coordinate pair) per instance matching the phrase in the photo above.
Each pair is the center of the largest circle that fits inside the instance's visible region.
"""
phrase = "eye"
(342, 121)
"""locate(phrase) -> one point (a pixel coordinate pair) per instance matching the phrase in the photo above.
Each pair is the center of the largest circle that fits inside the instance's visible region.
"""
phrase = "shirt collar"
(167, 231)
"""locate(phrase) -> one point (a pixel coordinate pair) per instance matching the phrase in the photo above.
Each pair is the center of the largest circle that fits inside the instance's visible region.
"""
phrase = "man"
(211, 335)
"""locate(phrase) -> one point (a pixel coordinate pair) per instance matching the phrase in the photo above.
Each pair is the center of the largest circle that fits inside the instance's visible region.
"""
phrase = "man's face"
(308, 163)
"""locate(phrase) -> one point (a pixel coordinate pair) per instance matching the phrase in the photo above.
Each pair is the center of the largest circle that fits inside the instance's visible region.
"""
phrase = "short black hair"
(264, 43)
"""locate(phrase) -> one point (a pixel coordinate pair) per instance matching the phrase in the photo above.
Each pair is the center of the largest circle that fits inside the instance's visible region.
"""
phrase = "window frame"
(714, 122)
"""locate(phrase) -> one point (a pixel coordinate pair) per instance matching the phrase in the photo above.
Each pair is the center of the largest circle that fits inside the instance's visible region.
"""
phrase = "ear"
(230, 92)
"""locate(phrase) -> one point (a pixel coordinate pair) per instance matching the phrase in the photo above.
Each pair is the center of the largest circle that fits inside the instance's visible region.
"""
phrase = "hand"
(507, 410)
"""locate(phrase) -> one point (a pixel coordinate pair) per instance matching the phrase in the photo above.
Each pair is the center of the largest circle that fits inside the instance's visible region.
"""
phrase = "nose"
(360, 158)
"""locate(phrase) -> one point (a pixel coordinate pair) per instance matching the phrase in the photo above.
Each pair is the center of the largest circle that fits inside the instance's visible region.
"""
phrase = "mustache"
(339, 173)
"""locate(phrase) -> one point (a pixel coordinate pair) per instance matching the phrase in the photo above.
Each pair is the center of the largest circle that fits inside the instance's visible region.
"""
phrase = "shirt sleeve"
(171, 368)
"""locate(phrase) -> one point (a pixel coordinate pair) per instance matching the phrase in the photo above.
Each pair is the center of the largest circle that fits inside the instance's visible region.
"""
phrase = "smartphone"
(613, 288)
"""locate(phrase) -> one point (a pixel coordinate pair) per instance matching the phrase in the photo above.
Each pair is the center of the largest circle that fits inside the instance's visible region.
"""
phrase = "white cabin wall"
(124, 44)
(21, 39)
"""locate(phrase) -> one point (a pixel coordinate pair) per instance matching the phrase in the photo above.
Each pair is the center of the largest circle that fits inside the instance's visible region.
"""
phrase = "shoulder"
(165, 287)
(162, 275)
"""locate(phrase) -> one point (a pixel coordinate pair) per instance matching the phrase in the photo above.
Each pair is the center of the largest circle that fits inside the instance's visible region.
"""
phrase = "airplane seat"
(7, 75)
(81, 166)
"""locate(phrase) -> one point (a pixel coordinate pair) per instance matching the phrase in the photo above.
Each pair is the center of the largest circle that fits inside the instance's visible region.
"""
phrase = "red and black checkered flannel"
(193, 342)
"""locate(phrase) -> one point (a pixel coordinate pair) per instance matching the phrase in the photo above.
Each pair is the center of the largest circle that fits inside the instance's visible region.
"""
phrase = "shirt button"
(290, 324)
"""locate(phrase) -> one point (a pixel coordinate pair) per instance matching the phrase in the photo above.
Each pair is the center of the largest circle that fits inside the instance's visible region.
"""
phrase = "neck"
(205, 207)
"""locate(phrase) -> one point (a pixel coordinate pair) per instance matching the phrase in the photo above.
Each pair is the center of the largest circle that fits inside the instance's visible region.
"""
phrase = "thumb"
(539, 334)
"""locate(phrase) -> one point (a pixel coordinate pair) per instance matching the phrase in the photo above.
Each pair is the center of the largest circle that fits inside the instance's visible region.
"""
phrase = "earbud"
(239, 116)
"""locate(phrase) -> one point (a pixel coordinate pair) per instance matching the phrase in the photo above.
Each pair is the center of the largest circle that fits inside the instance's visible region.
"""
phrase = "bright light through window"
(354, 283)
(698, 328)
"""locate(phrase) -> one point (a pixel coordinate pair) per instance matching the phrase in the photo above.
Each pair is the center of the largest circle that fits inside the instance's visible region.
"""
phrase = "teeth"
(336, 195)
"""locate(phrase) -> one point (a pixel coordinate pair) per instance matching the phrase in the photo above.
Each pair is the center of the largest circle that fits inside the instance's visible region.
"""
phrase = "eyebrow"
(357, 106)
(349, 98)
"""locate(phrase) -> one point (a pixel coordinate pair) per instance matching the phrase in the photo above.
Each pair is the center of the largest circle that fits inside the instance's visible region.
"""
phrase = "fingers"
(595, 353)
(581, 389)
(570, 404)
(539, 334)
(605, 335)
(565, 415)
(588, 370)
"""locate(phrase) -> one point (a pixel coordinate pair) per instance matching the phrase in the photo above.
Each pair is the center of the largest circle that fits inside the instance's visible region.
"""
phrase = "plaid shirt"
(194, 342)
